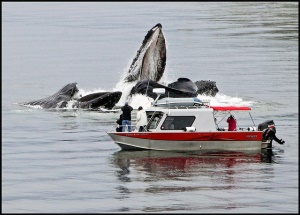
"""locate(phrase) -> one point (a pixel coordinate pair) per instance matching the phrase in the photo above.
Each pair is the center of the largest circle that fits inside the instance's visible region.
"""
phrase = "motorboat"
(188, 124)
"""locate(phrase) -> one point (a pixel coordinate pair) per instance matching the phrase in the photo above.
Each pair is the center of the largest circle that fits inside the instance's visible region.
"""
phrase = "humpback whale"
(64, 95)
(95, 100)
(207, 87)
(182, 88)
(150, 59)
(91, 101)
(147, 68)
(184, 84)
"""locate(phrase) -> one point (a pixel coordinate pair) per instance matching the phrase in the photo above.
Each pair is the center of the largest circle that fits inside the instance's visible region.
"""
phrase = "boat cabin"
(188, 114)
(176, 120)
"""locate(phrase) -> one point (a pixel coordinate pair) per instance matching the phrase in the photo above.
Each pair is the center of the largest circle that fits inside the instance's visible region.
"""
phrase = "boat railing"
(206, 102)
(186, 107)
(253, 128)
(239, 129)
(133, 128)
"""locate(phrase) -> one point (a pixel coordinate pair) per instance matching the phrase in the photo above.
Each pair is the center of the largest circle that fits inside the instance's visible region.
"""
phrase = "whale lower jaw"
(104, 99)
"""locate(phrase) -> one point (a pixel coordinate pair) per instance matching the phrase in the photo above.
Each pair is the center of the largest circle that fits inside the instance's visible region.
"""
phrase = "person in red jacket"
(231, 123)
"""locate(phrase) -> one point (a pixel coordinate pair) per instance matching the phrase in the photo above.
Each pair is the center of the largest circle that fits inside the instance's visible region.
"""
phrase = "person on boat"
(231, 123)
(171, 126)
(141, 119)
(269, 134)
(119, 122)
(126, 117)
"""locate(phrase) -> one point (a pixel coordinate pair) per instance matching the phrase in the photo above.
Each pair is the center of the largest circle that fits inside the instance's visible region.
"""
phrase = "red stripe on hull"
(195, 136)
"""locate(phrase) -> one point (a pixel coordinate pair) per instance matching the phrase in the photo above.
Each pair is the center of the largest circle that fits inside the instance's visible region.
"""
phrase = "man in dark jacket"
(119, 122)
(126, 117)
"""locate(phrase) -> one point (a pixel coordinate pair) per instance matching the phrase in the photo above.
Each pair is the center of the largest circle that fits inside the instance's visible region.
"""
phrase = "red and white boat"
(188, 124)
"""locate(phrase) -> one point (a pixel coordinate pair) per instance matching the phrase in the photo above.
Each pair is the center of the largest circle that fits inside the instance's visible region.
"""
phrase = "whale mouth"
(103, 99)
(69, 89)
(150, 60)
(74, 90)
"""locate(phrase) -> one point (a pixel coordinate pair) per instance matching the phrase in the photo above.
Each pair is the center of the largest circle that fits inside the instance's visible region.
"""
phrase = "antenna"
(158, 91)
(147, 86)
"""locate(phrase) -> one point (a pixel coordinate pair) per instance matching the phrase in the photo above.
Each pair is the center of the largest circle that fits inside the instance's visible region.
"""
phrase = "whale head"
(69, 89)
(150, 59)
(60, 98)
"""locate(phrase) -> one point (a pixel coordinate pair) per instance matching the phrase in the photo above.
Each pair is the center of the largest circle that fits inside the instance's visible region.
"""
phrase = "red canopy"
(229, 108)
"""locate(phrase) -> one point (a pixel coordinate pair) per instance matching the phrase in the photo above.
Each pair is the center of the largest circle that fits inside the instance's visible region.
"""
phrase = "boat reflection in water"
(161, 164)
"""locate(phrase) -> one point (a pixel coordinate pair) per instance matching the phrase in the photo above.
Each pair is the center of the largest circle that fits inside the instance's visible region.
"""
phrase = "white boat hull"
(132, 142)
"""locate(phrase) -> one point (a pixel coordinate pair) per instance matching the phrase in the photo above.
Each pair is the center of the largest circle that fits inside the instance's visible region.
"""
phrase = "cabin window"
(154, 119)
(177, 122)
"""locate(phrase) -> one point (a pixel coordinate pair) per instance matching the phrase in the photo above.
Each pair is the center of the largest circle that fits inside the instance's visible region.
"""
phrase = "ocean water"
(62, 161)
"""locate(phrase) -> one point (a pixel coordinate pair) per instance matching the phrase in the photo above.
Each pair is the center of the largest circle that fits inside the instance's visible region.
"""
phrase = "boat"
(189, 124)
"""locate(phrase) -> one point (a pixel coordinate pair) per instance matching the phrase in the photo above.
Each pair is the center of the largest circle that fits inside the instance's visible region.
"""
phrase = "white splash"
(224, 100)
(125, 88)
(140, 100)
(82, 93)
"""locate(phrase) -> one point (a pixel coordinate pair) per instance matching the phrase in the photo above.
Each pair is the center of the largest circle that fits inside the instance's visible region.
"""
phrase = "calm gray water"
(64, 162)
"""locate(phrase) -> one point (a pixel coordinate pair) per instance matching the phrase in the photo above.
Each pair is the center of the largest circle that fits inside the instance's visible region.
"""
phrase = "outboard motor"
(265, 125)
(269, 131)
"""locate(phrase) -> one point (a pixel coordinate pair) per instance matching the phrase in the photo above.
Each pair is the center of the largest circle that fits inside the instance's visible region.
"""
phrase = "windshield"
(154, 119)
(177, 122)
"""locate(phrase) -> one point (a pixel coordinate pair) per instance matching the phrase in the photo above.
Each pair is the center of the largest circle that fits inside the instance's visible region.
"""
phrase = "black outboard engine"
(269, 131)
(265, 125)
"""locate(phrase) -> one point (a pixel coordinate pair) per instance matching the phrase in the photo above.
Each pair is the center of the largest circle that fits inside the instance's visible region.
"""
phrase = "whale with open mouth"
(102, 99)
(66, 94)
(150, 59)
(147, 69)
(148, 66)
